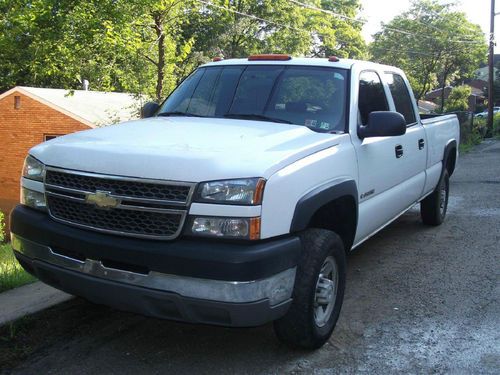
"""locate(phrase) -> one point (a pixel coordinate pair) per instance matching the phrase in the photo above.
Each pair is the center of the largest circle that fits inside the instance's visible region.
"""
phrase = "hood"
(185, 148)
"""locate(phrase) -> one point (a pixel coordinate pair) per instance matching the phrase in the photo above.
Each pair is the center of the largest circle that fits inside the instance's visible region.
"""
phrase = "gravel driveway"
(418, 300)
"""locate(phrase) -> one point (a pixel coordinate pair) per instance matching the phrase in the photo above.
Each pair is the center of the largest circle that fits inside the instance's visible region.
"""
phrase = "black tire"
(433, 208)
(298, 328)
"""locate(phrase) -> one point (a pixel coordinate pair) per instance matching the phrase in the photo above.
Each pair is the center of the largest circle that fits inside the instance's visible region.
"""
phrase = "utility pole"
(490, 69)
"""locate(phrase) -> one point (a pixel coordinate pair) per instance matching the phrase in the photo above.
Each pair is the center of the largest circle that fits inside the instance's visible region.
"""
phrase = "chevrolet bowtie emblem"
(102, 199)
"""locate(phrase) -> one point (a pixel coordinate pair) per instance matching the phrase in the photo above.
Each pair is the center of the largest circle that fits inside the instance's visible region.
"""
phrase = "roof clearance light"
(217, 59)
(333, 59)
(269, 57)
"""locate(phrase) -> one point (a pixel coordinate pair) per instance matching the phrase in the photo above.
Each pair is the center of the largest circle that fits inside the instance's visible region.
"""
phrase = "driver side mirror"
(383, 124)
(149, 109)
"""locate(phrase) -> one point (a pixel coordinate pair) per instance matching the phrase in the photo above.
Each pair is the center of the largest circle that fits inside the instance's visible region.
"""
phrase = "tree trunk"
(160, 67)
(443, 86)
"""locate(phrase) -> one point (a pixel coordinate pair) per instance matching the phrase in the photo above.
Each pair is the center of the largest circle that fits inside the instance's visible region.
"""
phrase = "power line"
(410, 52)
(364, 21)
(207, 3)
(437, 14)
(428, 37)
(304, 5)
(312, 7)
(248, 15)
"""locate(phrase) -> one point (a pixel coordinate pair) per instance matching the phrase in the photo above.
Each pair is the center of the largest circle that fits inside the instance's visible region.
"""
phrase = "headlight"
(33, 199)
(227, 227)
(33, 169)
(248, 191)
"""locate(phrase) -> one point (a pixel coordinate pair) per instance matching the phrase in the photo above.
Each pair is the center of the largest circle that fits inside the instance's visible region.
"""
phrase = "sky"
(376, 11)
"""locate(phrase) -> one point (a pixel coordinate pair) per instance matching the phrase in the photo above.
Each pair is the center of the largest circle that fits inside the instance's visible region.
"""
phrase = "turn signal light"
(254, 228)
(269, 57)
(259, 191)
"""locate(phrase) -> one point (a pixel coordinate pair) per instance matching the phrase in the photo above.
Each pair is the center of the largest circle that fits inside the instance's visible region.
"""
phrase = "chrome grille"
(133, 207)
(141, 223)
(129, 188)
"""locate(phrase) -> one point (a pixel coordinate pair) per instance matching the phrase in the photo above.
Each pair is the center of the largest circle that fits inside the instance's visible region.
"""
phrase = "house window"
(48, 137)
(17, 102)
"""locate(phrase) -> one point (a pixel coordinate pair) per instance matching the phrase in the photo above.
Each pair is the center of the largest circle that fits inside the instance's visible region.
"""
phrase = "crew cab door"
(387, 166)
(414, 142)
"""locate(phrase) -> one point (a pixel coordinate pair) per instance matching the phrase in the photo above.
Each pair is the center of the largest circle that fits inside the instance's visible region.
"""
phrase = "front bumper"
(105, 278)
(200, 258)
(152, 302)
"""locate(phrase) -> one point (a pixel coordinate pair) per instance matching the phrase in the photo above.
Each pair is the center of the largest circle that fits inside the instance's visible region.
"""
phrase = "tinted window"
(180, 98)
(254, 89)
(371, 95)
(224, 92)
(310, 96)
(401, 97)
(202, 101)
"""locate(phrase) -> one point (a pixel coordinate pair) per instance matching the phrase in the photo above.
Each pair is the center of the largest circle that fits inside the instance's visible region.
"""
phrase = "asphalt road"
(418, 300)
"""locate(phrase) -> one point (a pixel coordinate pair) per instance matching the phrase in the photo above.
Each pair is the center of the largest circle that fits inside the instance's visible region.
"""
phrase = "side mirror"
(149, 109)
(383, 124)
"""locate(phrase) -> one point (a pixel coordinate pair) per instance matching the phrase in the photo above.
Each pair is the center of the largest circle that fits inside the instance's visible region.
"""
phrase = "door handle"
(399, 151)
(421, 144)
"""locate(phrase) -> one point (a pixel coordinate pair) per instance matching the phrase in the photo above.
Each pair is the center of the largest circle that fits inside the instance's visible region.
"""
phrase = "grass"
(12, 274)
(475, 137)
(466, 147)
(469, 145)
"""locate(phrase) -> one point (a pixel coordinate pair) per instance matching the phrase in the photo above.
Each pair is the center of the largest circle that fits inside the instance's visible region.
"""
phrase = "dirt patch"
(39, 332)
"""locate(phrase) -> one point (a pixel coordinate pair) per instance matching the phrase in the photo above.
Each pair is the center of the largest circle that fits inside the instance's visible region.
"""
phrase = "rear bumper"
(129, 283)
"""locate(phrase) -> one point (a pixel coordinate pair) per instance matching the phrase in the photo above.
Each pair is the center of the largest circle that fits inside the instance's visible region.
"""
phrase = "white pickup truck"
(235, 201)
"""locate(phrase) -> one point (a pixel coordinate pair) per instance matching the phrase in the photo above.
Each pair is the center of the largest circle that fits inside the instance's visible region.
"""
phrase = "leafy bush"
(496, 125)
(479, 126)
(2, 227)
(476, 136)
(458, 99)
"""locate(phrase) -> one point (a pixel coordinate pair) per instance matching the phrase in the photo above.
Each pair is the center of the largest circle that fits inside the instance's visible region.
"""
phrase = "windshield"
(309, 96)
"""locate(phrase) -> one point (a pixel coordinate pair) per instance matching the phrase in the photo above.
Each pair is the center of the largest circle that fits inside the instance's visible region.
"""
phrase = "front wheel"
(318, 292)
(433, 208)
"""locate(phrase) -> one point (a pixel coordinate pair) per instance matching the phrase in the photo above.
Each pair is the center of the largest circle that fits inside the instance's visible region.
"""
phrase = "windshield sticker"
(324, 125)
(311, 123)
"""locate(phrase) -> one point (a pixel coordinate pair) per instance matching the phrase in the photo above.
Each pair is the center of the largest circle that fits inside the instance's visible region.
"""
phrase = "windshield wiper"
(178, 113)
(256, 116)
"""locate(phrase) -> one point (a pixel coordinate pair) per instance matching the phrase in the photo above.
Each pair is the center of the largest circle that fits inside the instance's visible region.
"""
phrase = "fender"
(447, 151)
(310, 203)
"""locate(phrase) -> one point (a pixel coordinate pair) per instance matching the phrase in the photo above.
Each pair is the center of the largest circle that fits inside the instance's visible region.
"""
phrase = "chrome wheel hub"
(326, 292)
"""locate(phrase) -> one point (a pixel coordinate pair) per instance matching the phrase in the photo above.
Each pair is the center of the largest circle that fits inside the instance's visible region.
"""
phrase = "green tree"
(224, 28)
(148, 46)
(434, 44)
(458, 100)
(58, 43)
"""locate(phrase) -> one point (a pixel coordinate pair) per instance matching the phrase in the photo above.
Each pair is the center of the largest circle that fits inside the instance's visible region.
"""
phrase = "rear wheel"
(433, 208)
(318, 292)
